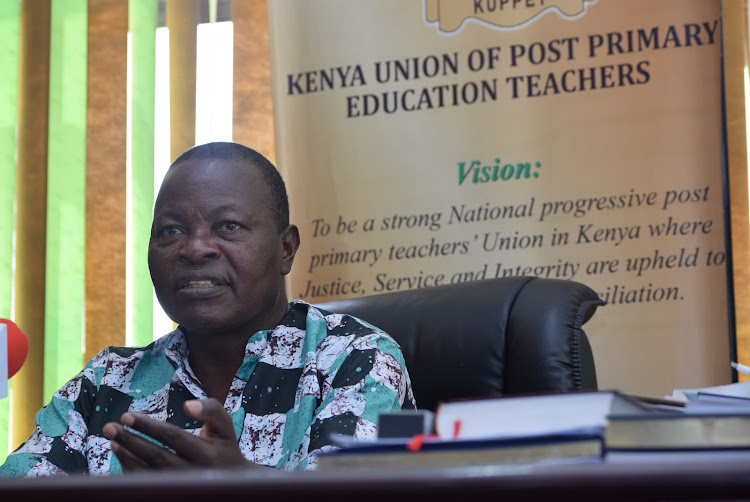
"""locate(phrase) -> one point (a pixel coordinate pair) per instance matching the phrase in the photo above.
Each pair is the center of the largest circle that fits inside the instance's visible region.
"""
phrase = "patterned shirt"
(315, 374)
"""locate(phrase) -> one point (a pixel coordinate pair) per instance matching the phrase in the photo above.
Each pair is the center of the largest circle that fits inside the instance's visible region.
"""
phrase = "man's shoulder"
(354, 344)
(345, 331)
(120, 363)
(336, 324)
(122, 352)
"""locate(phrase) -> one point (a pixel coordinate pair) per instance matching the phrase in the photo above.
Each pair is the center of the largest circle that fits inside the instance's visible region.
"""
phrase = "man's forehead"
(212, 168)
(212, 173)
(213, 177)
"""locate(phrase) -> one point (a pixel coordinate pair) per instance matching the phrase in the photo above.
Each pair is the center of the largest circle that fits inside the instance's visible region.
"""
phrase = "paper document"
(740, 389)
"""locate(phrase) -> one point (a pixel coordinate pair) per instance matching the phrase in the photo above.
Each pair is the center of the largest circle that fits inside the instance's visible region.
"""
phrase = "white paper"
(740, 389)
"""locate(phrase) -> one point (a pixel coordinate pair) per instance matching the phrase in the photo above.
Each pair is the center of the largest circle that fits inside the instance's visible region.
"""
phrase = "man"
(247, 379)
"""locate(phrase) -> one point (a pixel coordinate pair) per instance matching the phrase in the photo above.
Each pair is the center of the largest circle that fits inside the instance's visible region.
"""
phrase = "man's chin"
(204, 327)
(215, 326)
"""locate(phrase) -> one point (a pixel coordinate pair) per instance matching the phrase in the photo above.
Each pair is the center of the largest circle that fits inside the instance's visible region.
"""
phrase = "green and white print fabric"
(315, 374)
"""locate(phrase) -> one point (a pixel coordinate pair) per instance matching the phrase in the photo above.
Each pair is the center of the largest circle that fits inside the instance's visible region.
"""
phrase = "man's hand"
(216, 447)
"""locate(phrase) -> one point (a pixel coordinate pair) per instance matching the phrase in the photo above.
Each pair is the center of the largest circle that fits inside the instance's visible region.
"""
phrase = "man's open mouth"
(199, 284)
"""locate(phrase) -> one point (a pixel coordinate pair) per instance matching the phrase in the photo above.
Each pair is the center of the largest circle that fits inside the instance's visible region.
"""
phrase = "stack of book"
(560, 428)
(714, 423)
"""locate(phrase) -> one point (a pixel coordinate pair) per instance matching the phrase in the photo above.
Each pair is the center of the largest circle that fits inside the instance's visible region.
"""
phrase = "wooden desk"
(713, 479)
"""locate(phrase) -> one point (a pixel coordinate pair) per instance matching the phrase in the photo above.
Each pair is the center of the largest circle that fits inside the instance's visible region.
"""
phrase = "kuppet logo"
(449, 15)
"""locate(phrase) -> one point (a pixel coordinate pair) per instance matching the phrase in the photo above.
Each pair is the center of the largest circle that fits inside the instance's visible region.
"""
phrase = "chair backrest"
(513, 335)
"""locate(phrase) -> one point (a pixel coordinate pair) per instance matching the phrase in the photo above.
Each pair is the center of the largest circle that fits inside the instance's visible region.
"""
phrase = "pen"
(740, 367)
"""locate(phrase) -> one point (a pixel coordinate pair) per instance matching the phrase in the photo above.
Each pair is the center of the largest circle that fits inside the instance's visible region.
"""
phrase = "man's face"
(216, 257)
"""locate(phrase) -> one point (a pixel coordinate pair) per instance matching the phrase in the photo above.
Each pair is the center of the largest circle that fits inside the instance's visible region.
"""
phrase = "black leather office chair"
(514, 335)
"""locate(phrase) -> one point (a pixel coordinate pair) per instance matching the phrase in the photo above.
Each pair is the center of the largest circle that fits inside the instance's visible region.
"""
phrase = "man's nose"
(198, 246)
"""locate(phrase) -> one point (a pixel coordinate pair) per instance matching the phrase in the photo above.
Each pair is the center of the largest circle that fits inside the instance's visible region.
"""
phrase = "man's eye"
(230, 226)
(170, 231)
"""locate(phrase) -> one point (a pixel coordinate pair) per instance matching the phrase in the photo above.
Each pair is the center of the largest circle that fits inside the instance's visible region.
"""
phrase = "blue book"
(581, 445)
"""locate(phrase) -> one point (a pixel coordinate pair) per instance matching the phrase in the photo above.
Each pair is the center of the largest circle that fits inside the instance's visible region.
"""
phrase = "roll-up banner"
(440, 141)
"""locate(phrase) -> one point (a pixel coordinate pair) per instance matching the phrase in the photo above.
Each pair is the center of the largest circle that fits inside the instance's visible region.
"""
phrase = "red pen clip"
(416, 442)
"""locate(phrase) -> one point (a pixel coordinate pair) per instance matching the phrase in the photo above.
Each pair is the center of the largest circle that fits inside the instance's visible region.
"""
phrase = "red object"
(18, 347)
(416, 442)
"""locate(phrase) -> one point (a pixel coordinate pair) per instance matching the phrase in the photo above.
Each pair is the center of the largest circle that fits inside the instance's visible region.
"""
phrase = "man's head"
(221, 243)
(223, 150)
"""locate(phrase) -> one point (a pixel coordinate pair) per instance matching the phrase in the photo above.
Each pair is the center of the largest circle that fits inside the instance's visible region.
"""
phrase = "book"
(712, 429)
(713, 418)
(533, 415)
(709, 398)
(435, 452)
(674, 456)
(738, 389)
(666, 404)
(556, 428)
(720, 399)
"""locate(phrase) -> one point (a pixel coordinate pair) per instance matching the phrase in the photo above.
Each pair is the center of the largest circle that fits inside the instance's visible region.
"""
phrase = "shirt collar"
(176, 347)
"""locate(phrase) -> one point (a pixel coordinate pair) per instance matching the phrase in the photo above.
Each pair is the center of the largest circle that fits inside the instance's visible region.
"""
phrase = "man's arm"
(56, 446)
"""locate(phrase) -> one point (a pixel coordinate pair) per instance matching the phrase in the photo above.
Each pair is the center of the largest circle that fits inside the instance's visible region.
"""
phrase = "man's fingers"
(217, 445)
(167, 434)
(136, 452)
(217, 424)
(128, 461)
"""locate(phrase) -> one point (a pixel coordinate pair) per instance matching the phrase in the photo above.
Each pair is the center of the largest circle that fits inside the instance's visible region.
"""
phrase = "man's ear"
(289, 246)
